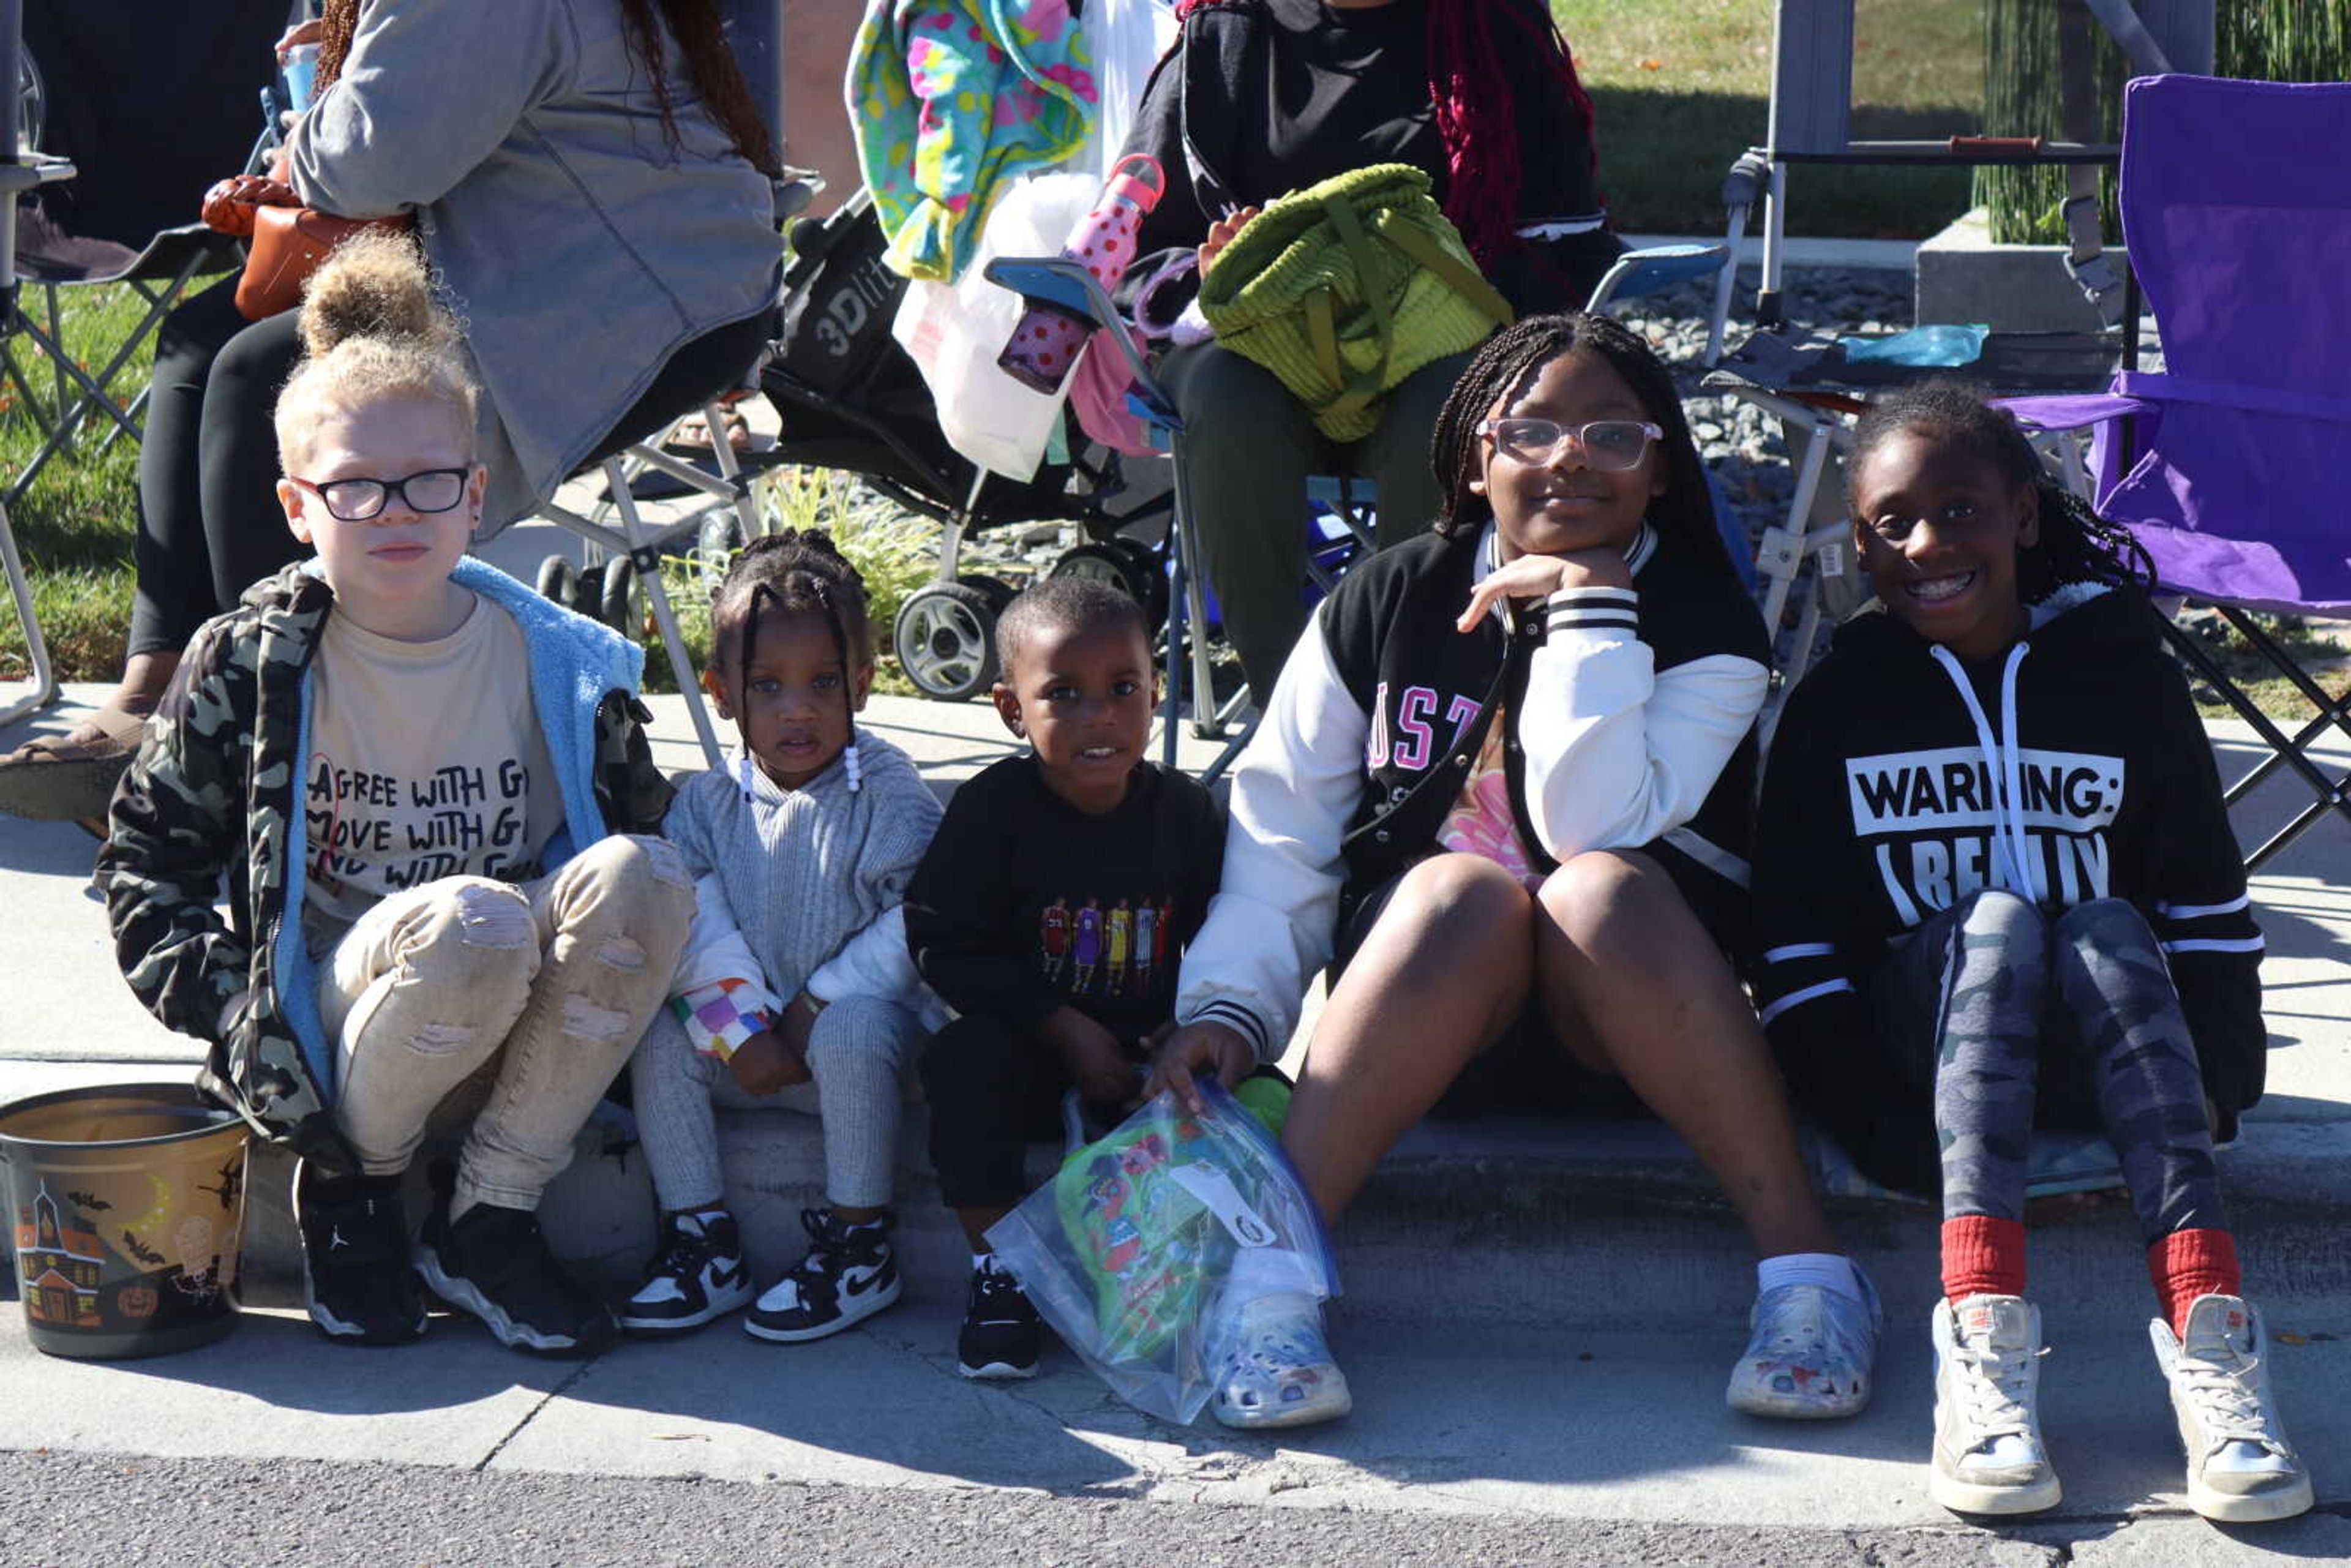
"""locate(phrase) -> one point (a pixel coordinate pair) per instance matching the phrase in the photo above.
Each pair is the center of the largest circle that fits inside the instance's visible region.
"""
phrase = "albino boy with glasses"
(419, 778)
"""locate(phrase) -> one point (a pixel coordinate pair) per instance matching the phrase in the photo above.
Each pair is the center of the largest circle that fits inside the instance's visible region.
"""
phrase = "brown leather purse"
(285, 241)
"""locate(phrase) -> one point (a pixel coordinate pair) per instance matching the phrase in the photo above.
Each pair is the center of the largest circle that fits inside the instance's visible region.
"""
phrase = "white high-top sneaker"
(2240, 1469)
(1988, 1452)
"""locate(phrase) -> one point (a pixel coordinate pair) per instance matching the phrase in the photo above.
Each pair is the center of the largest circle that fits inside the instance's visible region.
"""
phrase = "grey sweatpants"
(1982, 997)
(858, 1055)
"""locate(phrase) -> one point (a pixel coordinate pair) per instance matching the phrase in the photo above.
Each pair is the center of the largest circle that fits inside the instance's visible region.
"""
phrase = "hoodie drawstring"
(2004, 770)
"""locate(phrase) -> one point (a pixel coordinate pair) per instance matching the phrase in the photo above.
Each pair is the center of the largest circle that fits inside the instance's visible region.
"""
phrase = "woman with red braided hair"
(1260, 98)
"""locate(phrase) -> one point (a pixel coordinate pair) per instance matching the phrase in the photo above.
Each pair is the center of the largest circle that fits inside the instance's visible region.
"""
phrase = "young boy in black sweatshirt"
(1051, 912)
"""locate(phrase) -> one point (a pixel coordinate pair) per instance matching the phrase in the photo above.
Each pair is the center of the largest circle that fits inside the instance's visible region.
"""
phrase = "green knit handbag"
(1346, 287)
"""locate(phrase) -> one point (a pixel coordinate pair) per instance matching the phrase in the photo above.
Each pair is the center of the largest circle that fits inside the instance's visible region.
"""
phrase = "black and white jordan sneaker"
(847, 1277)
(356, 1279)
(696, 1276)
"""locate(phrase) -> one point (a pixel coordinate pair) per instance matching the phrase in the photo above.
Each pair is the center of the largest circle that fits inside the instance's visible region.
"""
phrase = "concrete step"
(1504, 1221)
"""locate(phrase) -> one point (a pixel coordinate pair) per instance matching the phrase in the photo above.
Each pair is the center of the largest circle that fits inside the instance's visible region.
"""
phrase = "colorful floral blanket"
(952, 96)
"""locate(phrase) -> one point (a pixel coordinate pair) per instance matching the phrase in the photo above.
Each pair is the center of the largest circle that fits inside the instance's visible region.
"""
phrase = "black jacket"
(1879, 808)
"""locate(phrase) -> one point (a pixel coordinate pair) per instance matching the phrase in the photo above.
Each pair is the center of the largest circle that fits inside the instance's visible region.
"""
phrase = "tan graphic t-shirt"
(426, 760)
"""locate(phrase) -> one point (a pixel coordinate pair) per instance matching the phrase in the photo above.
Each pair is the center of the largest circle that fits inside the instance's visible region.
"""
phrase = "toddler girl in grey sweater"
(795, 990)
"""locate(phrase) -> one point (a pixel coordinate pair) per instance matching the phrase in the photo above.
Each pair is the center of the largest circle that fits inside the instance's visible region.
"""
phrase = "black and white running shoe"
(494, 1262)
(1001, 1333)
(696, 1275)
(847, 1277)
(356, 1277)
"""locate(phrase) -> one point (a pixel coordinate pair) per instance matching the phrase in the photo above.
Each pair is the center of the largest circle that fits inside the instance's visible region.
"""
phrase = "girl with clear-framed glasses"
(1501, 791)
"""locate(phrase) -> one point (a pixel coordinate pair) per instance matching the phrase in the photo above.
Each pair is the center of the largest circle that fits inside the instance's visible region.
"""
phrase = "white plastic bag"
(954, 334)
(1125, 1251)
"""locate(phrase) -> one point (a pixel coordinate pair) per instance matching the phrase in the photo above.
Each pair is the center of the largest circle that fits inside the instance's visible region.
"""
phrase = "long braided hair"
(797, 570)
(1509, 360)
(1476, 119)
(700, 34)
(2075, 544)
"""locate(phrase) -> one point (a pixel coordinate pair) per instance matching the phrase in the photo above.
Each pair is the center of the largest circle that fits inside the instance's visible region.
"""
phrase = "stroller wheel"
(1153, 570)
(714, 544)
(1134, 571)
(558, 581)
(946, 640)
(619, 598)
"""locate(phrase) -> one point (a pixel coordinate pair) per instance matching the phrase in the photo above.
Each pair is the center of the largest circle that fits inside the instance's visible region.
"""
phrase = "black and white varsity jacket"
(1902, 781)
(1627, 719)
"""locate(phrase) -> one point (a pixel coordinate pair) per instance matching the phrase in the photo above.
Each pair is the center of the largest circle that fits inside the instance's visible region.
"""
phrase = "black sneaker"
(1001, 1334)
(493, 1263)
(697, 1274)
(847, 1277)
(355, 1272)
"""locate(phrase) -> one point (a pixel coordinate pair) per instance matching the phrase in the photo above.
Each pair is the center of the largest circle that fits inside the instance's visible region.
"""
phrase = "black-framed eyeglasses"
(1605, 444)
(356, 500)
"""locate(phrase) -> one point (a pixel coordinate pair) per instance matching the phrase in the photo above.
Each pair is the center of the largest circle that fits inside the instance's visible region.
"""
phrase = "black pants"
(209, 522)
(992, 1090)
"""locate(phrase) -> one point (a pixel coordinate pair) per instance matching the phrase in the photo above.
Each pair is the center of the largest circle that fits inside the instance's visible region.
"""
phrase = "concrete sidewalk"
(1539, 1320)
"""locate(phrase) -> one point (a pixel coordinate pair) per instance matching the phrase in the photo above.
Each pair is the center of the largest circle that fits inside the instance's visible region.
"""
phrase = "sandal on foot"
(64, 778)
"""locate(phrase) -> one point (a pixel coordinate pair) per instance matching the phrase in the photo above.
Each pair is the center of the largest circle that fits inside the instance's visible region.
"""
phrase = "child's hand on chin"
(1541, 576)
(765, 1064)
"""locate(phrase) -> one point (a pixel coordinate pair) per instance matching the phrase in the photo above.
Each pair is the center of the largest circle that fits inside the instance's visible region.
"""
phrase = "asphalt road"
(84, 1509)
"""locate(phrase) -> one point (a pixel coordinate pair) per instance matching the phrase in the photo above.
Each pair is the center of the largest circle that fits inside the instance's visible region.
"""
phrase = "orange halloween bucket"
(126, 1203)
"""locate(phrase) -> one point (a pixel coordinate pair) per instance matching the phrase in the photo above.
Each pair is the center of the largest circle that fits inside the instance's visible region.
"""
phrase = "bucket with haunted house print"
(127, 1202)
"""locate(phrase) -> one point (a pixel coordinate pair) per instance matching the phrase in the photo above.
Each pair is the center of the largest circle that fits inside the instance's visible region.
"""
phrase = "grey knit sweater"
(801, 888)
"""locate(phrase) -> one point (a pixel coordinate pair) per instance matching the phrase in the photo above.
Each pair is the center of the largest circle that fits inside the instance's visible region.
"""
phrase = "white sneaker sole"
(857, 1311)
(2234, 1508)
(735, 1300)
(1965, 1497)
(1777, 1406)
(998, 1372)
(462, 1295)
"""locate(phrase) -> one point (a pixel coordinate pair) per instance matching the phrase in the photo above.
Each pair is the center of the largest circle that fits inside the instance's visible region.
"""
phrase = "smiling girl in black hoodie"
(1996, 883)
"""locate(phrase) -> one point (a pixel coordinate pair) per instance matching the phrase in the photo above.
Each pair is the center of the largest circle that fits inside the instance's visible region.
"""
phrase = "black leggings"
(209, 523)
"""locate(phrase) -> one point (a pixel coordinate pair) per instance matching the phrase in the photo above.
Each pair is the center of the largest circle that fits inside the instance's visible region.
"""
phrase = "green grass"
(1681, 90)
(74, 525)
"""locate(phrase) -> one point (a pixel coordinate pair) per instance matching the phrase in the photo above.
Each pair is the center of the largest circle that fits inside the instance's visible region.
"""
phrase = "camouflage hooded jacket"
(216, 791)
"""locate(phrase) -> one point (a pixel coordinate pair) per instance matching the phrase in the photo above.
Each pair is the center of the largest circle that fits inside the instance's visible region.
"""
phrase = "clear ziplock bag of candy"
(1124, 1252)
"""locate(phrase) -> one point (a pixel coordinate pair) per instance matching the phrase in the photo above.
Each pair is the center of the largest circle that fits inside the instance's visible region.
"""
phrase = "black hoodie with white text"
(1901, 780)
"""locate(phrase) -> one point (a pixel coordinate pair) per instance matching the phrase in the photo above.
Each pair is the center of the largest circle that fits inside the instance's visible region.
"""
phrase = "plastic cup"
(300, 69)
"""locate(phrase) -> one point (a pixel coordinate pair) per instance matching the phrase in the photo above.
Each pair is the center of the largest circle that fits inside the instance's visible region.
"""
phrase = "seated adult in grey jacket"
(587, 179)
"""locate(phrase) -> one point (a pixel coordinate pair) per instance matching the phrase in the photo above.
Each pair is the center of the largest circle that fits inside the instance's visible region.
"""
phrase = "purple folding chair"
(2230, 465)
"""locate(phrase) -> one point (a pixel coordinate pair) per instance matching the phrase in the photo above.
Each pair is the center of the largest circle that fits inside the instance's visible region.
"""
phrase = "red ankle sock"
(1983, 1257)
(2186, 1264)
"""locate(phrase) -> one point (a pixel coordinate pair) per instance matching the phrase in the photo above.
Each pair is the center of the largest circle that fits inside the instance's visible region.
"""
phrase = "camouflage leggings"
(2089, 988)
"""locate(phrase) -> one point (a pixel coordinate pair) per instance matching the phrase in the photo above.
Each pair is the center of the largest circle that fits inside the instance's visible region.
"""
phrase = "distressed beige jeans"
(522, 1000)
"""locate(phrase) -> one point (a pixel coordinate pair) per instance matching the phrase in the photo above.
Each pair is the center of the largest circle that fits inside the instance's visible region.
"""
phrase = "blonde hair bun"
(374, 285)
(373, 330)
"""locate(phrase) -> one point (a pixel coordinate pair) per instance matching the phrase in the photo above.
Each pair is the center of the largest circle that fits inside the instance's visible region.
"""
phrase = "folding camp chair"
(19, 173)
(152, 106)
(2229, 465)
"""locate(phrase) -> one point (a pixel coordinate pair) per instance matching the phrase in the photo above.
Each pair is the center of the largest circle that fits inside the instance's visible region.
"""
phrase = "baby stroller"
(851, 399)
